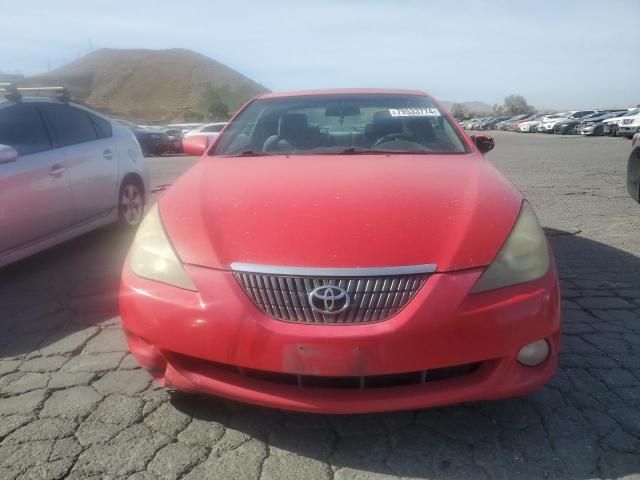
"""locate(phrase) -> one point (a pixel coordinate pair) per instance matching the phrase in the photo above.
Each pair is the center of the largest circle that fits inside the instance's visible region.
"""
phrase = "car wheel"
(131, 203)
(599, 131)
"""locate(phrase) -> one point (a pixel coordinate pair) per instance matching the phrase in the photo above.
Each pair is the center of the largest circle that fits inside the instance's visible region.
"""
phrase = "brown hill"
(470, 106)
(153, 85)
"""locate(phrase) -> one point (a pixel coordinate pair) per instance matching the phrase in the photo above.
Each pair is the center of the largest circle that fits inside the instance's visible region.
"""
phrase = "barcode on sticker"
(414, 112)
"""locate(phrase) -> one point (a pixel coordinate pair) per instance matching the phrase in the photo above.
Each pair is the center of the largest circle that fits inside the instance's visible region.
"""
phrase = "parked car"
(611, 125)
(202, 137)
(64, 170)
(571, 125)
(185, 127)
(210, 130)
(509, 123)
(152, 140)
(633, 170)
(530, 125)
(595, 126)
(175, 136)
(465, 123)
(629, 125)
(491, 123)
(549, 125)
(501, 125)
(514, 125)
(474, 123)
(266, 276)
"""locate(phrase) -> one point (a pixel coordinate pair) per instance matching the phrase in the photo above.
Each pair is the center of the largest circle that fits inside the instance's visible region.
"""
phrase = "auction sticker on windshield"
(414, 112)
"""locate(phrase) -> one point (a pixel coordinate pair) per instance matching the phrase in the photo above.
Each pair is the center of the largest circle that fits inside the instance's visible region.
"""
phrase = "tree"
(191, 116)
(215, 100)
(219, 102)
(218, 110)
(457, 110)
(498, 110)
(516, 105)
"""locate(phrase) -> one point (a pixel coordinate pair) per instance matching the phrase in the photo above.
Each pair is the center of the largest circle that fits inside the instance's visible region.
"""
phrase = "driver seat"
(382, 124)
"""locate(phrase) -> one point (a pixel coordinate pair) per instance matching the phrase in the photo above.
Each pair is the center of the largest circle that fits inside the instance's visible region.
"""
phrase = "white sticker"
(414, 112)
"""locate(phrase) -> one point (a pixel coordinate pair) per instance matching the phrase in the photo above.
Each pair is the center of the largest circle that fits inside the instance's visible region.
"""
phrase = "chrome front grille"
(373, 294)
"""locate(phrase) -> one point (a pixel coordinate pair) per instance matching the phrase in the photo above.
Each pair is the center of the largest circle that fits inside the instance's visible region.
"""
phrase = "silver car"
(64, 170)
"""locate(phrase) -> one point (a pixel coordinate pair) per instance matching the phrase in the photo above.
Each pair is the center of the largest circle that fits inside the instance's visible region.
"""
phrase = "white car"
(629, 124)
(533, 124)
(211, 130)
(547, 124)
(64, 170)
(611, 125)
(186, 127)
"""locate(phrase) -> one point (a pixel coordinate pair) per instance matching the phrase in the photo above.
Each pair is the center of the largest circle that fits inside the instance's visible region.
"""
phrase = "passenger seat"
(294, 133)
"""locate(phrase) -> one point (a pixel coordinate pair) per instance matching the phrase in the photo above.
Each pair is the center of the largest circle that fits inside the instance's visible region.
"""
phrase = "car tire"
(599, 131)
(131, 201)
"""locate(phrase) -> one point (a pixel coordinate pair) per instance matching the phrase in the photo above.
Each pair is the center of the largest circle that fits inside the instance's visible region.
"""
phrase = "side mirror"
(8, 154)
(484, 143)
(195, 145)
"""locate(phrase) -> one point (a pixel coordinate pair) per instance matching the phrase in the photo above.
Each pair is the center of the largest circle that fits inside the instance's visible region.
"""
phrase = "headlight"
(524, 257)
(153, 256)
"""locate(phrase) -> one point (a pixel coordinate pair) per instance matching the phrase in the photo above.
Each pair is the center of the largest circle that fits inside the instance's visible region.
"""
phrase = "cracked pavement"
(74, 404)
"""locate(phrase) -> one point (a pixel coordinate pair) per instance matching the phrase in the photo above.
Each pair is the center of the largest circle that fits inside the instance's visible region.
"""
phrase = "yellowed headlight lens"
(524, 257)
(153, 256)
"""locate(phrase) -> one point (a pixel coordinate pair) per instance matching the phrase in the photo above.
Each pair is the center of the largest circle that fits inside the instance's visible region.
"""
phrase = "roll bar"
(14, 93)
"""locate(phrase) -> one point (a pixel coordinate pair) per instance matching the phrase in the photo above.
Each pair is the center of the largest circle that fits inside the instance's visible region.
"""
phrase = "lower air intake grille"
(345, 300)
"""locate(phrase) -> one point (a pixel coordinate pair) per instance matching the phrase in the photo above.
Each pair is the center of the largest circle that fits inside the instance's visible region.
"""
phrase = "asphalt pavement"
(74, 404)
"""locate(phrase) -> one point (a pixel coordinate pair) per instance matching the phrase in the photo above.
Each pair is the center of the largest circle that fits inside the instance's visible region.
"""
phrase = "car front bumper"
(216, 341)
(628, 129)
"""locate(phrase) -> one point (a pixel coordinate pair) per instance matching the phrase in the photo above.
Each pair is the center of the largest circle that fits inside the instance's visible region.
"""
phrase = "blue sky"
(557, 54)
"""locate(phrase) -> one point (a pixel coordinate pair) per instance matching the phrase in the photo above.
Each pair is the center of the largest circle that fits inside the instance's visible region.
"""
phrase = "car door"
(86, 142)
(35, 193)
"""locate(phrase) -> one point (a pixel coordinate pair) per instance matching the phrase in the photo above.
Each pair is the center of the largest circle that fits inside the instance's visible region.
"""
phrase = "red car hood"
(341, 211)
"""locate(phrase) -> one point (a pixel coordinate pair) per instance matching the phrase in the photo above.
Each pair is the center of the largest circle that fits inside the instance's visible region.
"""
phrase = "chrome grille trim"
(374, 298)
(333, 272)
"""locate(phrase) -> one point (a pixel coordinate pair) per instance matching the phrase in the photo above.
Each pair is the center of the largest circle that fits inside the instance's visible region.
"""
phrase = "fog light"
(534, 354)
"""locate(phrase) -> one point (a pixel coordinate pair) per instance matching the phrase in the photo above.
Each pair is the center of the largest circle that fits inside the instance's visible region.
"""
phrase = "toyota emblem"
(329, 299)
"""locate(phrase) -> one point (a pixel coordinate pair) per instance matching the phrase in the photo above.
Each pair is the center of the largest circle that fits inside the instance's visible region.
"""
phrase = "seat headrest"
(384, 124)
(421, 127)
(292, 124)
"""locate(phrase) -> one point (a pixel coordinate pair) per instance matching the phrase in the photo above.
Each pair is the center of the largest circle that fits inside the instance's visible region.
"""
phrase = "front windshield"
(339, 124)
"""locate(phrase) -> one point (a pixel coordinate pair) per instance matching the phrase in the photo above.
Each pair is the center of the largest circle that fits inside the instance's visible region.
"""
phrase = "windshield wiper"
(251, 153)
(359, 150)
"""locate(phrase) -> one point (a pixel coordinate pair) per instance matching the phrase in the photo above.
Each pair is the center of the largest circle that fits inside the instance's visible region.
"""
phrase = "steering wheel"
(392, 137)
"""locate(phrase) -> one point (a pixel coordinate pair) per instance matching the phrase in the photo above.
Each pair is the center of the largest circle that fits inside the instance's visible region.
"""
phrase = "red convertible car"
(343, 251)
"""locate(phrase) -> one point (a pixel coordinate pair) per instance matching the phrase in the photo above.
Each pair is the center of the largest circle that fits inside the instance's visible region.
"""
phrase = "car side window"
(22, 128)
(102, 126)
(68, 125)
